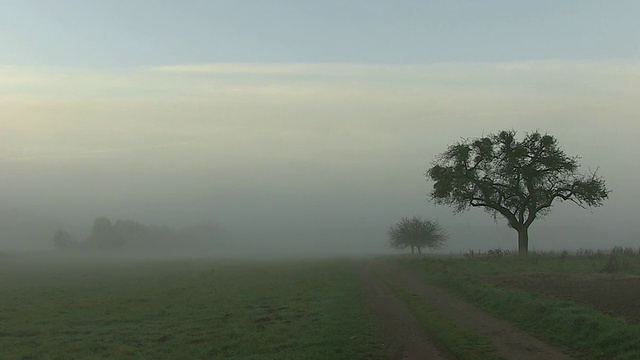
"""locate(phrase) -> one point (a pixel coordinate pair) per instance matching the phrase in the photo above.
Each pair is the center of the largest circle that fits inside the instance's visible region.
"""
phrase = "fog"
(301, 159)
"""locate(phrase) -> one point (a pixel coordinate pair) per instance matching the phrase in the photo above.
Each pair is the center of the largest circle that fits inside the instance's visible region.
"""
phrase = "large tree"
(520, 180)
(416, 233)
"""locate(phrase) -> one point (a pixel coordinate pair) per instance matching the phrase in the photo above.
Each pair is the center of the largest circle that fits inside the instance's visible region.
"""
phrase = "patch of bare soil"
(404, 336)
(613, 294)
(510, 342)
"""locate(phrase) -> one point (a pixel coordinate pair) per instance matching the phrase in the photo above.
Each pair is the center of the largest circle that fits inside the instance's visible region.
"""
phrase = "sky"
(308, 119)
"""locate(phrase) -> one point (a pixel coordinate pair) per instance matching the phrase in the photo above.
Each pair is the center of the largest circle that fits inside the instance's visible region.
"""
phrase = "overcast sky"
(303, 114)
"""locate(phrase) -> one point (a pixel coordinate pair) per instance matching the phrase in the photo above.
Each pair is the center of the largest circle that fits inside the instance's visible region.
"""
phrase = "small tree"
(103, 235)
(62, 240)
(416, 233)
(520, 180)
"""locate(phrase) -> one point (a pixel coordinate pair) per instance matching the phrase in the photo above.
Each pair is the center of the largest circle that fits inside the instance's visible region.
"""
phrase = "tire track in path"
(403, 334)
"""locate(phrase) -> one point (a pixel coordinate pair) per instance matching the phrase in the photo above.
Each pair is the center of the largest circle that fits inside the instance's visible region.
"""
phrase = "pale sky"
(304, 115)
(122, 33)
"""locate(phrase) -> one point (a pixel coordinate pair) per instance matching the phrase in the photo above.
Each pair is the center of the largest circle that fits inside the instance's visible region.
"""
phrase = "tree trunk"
(523, 241)
(419, 251)
(413, 250)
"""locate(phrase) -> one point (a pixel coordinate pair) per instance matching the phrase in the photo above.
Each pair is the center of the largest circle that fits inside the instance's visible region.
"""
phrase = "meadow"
(183, 309)
(584, 304)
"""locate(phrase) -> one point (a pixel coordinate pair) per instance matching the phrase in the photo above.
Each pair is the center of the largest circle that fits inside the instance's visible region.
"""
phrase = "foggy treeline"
(129, 237)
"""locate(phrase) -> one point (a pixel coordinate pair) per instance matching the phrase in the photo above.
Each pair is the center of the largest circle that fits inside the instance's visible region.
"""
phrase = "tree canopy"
(416, 233)
(520, 180)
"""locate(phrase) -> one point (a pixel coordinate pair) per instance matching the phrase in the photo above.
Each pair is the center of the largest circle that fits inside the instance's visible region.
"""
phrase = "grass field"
(183, 309)
(313, 309)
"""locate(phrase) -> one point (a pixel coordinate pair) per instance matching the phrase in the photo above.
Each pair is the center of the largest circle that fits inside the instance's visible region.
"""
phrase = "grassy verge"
(463, 343)
(587, 262)
(588, 333)
(188, 310)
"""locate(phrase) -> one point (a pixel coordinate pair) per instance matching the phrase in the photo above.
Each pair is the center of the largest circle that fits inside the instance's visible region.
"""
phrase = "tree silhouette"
(416, 233)
(520, 180)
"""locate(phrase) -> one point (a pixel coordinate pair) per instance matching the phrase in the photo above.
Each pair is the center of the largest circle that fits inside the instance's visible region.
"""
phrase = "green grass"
(463, 343)
(587, 332)
(184, 309)
(536, 262)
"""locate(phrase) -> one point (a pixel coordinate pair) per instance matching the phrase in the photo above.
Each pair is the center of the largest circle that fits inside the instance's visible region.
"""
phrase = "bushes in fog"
(128, 236)
(63, 240)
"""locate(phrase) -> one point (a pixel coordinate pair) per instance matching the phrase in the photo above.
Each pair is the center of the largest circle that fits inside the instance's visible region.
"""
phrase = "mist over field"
(291, 142)
(296, 163)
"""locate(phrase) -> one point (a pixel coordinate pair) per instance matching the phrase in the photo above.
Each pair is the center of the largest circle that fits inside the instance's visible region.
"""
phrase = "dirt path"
(510, 342)
(404, 336)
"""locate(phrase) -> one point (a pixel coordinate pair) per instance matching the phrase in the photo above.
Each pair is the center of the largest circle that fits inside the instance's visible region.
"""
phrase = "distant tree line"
(128, 236)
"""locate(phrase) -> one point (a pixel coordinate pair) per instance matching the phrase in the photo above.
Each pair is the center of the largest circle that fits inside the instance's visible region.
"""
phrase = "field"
(492, 306)
(613, 294)
(183, 310)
